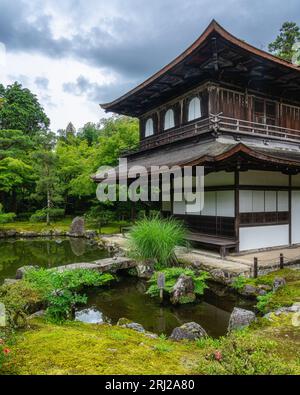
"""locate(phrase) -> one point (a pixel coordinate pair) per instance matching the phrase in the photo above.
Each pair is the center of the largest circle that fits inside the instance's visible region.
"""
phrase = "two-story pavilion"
(234, 109)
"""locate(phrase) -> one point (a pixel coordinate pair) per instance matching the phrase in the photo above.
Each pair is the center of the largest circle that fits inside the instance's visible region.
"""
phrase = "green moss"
(284, 296)
(77, 348)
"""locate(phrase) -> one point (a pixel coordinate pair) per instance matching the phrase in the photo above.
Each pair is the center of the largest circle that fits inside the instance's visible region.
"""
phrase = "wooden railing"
(258, 129)
(219, 123)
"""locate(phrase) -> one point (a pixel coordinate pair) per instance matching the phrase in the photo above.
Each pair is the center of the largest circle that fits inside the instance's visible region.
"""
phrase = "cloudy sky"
(75, 54)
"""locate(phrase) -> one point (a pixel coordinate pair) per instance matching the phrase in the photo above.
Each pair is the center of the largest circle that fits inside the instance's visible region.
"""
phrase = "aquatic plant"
(171, 277)
(154, 239)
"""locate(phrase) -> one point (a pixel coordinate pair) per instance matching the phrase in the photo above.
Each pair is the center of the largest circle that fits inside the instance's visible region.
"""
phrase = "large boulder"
(23, 270)
(183, 290)
(240, 318)
(188, 331)
(77, 227)
(279, 282)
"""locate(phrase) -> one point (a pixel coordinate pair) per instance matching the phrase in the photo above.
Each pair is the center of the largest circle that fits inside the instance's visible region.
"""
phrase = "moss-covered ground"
(59, 226)
(80, 349)
(284, 296)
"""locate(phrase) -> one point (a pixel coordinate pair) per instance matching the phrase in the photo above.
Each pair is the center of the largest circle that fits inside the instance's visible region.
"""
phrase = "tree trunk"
(48, 206)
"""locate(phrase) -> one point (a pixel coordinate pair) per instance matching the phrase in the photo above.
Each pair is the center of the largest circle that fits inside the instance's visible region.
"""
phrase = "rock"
(189, 331)
(136, 327)
(151, 335)
(145, 270)
(10, 281)
(254, 291)
(240, 318)
(38, 314)
(279, 282)
(219, 276)
(22, 271)
(183, 290)
(123, 321)
(295, 308)
(126, 323)
(77, 227)
(90, 234)
(249, 291)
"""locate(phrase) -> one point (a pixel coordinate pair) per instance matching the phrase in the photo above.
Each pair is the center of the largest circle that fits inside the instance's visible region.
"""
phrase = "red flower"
(6, 351)
(218, 356)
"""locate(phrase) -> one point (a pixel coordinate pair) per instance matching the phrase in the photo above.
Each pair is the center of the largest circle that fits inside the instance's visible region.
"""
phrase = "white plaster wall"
(296, 217)
(225, 204)
(263, 178)
(263, 237)
(179, 208)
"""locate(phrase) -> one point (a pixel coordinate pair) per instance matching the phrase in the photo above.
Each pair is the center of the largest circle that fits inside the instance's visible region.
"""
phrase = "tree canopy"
(20, 110)
(284, 46)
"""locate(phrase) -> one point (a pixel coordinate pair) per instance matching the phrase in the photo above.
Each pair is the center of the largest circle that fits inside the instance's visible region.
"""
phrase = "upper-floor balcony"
(218, 124)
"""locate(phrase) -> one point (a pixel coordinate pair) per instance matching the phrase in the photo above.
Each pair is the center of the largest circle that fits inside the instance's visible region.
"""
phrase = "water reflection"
(45, 253)
(128, 299)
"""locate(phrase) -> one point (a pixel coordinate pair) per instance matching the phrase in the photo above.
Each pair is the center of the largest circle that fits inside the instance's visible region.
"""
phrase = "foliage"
(6, 217)
(41, 170)
(60, 289)
(284, 45)
(20, 110)
(41, 215)
(19, 299)
(171, 277)
(155, 239)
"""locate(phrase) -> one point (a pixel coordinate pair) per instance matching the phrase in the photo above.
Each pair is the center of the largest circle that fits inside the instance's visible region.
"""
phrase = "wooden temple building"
(234, 109)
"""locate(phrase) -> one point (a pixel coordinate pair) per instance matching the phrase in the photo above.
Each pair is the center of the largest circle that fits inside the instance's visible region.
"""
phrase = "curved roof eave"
(212, 27)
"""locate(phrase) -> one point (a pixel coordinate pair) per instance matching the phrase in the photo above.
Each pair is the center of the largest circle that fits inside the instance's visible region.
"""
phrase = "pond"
(127, 299)
(45, 253)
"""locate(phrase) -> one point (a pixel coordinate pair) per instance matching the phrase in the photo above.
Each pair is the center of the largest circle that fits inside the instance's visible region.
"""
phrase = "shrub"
(171, 277)
(19, 300)
(155, 239)
(6, 217)
(41, 215)
(60, 290)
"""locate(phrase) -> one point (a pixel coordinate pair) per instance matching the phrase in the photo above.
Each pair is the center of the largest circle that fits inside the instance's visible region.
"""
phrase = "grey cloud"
(42, 83)
(95, 92)
(134, 38)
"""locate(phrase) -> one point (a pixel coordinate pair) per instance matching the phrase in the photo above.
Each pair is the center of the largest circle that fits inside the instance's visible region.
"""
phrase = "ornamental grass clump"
(154, 239)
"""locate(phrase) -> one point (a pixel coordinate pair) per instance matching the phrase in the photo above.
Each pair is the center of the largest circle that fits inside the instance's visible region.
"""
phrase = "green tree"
(48, 187)
(284, 44)
(15, 168)
(20, 110)
(90, 132)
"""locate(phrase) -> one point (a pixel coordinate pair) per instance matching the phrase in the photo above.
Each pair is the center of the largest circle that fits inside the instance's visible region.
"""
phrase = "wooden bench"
(222, 243)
